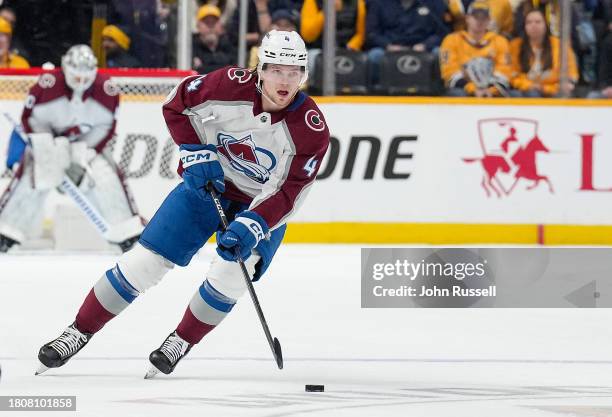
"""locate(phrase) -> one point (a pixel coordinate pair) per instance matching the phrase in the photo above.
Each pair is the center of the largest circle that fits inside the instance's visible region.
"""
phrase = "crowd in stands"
(482, 48)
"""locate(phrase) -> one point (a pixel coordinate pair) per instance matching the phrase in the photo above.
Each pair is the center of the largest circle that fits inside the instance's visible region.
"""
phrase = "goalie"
(68, 119)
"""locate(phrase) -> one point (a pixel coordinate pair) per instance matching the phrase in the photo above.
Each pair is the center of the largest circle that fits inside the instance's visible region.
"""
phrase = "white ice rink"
(384, 362)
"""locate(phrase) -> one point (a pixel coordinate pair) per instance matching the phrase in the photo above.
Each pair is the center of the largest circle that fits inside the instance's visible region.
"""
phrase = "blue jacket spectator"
(402, 25)
(405, 23)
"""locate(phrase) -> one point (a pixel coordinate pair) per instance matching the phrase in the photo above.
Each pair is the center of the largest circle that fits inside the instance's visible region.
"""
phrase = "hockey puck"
(315, 388)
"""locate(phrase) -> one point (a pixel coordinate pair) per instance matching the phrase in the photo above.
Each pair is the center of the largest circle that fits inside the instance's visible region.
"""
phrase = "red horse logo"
(510, 147)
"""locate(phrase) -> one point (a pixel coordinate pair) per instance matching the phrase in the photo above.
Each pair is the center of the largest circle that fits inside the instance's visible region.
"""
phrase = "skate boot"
(6, 243)
(168, 355)
(57, 352)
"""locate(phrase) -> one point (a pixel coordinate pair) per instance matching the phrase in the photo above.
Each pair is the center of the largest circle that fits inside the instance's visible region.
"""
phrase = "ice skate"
(168, 355)
(57, 352)
(6, 243)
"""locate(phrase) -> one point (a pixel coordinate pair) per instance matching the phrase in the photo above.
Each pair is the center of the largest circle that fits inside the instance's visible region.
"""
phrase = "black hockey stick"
(274, 343)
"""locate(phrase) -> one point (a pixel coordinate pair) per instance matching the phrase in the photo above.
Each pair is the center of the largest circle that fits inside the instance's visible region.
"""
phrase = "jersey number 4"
(311, 166)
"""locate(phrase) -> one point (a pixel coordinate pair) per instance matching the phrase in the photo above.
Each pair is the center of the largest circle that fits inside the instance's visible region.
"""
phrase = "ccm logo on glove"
(191, 158)
(201, 167)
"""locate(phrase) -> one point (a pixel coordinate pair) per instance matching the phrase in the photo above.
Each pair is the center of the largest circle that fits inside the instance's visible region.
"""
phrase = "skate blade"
(41, 369)
(151, 372)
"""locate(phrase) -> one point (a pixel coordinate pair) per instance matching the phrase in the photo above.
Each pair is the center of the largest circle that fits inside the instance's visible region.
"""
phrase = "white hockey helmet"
(283, 48)
(80, 66)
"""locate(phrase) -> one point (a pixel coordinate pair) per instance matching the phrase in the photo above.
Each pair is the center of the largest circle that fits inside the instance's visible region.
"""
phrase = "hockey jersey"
(52, 107)
(270, 160)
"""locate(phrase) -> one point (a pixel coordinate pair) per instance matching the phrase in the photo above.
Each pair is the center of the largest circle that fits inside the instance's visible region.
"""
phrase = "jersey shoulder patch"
(105, 92)
(49, 86)
(235, 84)
(308, 127)
(47, 80)
(239, 75)
(311, 116)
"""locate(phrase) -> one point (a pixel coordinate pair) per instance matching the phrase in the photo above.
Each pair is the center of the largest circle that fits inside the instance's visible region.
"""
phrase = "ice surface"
(383, 362)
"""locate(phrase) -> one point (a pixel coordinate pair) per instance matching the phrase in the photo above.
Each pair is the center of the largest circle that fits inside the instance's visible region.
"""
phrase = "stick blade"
(278, 353)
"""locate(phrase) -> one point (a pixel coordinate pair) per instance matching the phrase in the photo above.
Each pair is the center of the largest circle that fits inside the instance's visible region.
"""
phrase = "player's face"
(281, 82)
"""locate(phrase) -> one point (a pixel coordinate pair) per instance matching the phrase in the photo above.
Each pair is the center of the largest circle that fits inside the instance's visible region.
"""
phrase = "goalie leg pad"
(23, 210)
(143, 268)
(102, 186)
(51, 157)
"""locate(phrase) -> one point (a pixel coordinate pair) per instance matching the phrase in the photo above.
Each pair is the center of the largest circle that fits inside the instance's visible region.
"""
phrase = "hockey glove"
(241, 236)
(201, 166)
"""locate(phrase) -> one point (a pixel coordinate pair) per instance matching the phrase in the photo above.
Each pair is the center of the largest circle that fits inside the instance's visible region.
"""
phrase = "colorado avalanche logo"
(240, 74)
(110, 88)
(314, 121)
(242, 154)
(46, 80)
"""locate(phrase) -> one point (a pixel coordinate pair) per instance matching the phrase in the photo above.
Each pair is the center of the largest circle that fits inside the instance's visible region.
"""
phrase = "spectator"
(116, 44)
(551, 10)
(227, 7)
(402, 25)
(350, 28)
(502, 18)
(282, 19)
(7, 58)
(454, 16)
(146, 22)
(260, 18)
(211, 47)
(605, 71)
(464, 56)
(17, 46)
(350, 23)
(603, 15)
(49, 28)
(535, 59)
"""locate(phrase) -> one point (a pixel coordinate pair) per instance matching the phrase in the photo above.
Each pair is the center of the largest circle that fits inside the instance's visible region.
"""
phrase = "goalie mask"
(79, 66)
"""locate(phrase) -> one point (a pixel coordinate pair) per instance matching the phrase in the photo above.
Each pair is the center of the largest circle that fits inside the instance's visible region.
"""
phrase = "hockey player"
(259, 142)
(69, 118)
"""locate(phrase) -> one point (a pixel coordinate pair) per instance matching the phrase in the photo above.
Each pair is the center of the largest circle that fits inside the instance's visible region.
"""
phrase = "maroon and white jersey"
(269, 159)
(52, 107)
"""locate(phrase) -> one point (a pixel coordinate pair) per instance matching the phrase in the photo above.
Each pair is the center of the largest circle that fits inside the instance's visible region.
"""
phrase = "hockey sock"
(206, 310)
(109, 297)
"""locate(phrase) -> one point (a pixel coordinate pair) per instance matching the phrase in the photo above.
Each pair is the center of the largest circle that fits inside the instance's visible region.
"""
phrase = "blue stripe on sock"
(215, 299)
(121, 285)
